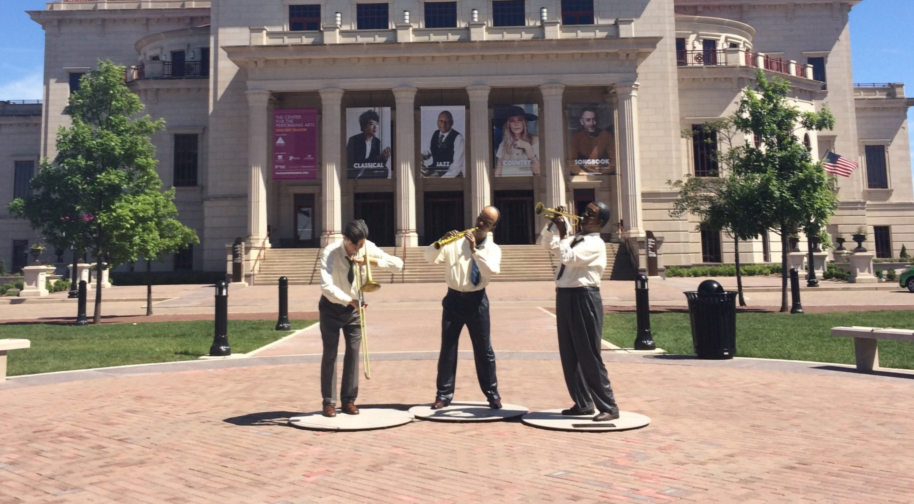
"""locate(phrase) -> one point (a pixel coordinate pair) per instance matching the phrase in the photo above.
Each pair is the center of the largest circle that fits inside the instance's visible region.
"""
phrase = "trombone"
(551, 213)
(451, 239)
(369, 285)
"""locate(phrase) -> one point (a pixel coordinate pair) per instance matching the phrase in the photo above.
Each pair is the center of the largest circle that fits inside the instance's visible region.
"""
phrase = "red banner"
(295, 144)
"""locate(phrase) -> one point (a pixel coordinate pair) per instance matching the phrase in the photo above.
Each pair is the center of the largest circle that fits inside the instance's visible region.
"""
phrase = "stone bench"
(865, 338)
(5, 346)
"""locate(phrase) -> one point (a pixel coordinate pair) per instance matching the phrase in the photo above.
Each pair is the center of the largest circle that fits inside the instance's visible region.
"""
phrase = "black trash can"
(713, 315)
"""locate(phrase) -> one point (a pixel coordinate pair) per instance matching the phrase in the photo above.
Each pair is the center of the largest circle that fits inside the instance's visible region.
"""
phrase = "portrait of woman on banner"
(517, 155)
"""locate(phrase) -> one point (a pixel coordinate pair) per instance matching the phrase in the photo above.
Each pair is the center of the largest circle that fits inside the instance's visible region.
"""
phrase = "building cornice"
(903, 104)
(760, 3)
(32, 120)
(742, 76)
(629, 48)
(196, 31)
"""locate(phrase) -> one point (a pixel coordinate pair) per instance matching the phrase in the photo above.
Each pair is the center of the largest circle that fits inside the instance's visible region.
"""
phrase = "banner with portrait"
(368, 143)
(515, 140)
(295, 144)
(591, 139)
(443, 143)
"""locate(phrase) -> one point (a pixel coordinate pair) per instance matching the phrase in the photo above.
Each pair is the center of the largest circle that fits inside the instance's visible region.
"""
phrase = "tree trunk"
(784, 272)
(739, 274)
(148, 287)
(97, 317)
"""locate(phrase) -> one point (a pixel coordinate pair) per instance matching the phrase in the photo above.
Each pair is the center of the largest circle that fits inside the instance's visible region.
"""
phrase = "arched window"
(807, 142)
(758, 141)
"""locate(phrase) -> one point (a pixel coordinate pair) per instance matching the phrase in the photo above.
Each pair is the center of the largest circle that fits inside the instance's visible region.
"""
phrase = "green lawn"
(67, 347)
(776, 335)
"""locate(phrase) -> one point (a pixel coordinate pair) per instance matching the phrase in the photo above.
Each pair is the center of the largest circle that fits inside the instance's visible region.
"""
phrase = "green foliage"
(878, 273)
(4, 271)
(59, 286)
(834, 272)
(167, 277)
(727, 270)
(11, 288)
(903, 255)
(891, 275)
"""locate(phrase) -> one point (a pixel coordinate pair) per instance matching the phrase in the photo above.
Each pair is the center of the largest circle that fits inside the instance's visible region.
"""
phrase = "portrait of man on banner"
(368, 148)
(443, 141)
(514, 138)
(591, 139)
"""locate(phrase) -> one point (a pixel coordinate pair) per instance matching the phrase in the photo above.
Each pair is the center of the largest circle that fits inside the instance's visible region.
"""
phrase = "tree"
(724, 202)
(102, 189)
(793, 189)
(162, 234)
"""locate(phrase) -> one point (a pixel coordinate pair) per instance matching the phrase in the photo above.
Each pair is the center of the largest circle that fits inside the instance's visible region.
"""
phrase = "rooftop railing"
(126, 4)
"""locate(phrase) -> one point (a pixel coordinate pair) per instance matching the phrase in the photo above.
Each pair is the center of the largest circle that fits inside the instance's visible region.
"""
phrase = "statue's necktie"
(577, 240)
(351, 270)
(474, 273)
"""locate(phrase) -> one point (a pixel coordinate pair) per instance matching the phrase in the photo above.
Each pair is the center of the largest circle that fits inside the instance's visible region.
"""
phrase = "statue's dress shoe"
(350, 409)
(495, 403)
(605, 416)
(441, 403)
(329, 411)
(574, 411)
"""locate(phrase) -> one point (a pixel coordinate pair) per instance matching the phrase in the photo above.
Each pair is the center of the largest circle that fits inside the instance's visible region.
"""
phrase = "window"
(508, 13)
(204, 62)
(710, 246)
(883, 241)
(22, 178)
(440, 14)
(186, 160)
(20, 255)
(372, 16)
(75, 81)
(681, 52)
(178, 64)
(577, 12)
(184, 260)
(757, 140)
(704, 147)
(807, 142)
(304, 17)
(876, 174)
(709, 52)
(818, 68)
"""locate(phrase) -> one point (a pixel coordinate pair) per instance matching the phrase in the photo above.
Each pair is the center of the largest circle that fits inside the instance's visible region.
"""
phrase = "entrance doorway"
(515, 226)
(20, 255)
(377, 210)
(443, 213)
(583, 197)
(305, 235)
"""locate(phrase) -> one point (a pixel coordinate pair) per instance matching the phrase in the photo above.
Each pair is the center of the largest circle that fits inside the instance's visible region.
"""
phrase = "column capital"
(405, 94)
(479, 93)
(553, 90)
(259, 97)
(330, 95)
(623, 89)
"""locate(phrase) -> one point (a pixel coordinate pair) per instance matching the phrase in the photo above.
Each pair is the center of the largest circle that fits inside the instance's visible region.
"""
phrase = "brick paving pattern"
(742, 431)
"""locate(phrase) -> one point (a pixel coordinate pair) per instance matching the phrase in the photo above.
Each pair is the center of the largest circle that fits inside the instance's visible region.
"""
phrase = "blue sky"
(882, 40)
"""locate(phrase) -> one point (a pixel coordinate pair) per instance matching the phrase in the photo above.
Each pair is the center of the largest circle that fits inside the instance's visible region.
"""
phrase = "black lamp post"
(811, 280)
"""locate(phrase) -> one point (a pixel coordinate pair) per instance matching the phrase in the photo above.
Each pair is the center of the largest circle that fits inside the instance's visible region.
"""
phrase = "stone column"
(405, 157)
(629, 158)
(555, 152)
(480, 131)
(331, 210)
(258, 136)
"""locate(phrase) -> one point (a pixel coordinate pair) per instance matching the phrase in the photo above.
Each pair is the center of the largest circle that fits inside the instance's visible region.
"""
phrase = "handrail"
(254, 266)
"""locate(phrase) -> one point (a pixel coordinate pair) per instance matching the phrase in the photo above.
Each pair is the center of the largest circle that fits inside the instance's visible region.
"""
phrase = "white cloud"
(26, 87)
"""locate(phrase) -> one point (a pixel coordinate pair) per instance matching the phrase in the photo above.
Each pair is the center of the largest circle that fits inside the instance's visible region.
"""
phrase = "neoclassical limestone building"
(222, 74)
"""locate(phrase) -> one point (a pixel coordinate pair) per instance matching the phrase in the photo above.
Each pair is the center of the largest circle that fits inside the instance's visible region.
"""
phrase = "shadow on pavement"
(890, 374)
(265, 418)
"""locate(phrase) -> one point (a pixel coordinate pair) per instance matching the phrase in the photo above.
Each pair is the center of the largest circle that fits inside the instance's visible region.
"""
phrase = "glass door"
(443, 213)
(377, 210)
(516, 222)
(305, 235)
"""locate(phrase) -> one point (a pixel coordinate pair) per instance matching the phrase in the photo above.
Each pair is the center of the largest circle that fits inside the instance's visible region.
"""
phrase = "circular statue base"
(468, 411)
(367, 419)
(554, 419)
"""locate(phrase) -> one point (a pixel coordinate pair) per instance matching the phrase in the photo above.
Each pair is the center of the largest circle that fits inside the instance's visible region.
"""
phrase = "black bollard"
(221, 346)
(283, 323)
(643, 339)
(795, 291)
(81, 305)
(811, 280)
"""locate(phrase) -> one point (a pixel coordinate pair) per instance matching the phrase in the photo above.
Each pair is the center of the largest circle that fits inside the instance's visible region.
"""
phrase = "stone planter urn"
(814, 242)
(840, 242)
(794, 243)
(35, 252)
(859, 238)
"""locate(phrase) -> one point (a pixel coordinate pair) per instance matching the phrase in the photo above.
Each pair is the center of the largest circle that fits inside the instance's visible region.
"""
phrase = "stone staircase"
(519, 263)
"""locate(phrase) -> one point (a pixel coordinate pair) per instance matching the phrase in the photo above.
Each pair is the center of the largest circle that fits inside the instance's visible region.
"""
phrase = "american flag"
(838, 165)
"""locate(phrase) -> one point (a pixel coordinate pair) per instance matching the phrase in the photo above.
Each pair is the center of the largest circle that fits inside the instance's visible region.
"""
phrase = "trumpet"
(451, 239)
(368, 285)
(551, 213)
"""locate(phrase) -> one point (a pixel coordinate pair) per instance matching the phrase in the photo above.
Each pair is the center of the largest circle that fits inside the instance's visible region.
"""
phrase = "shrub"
(723, 270)
(890, 275)
(58, 286)
(879, 273)
(833, 272)
(904, 254)
(4, 271)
